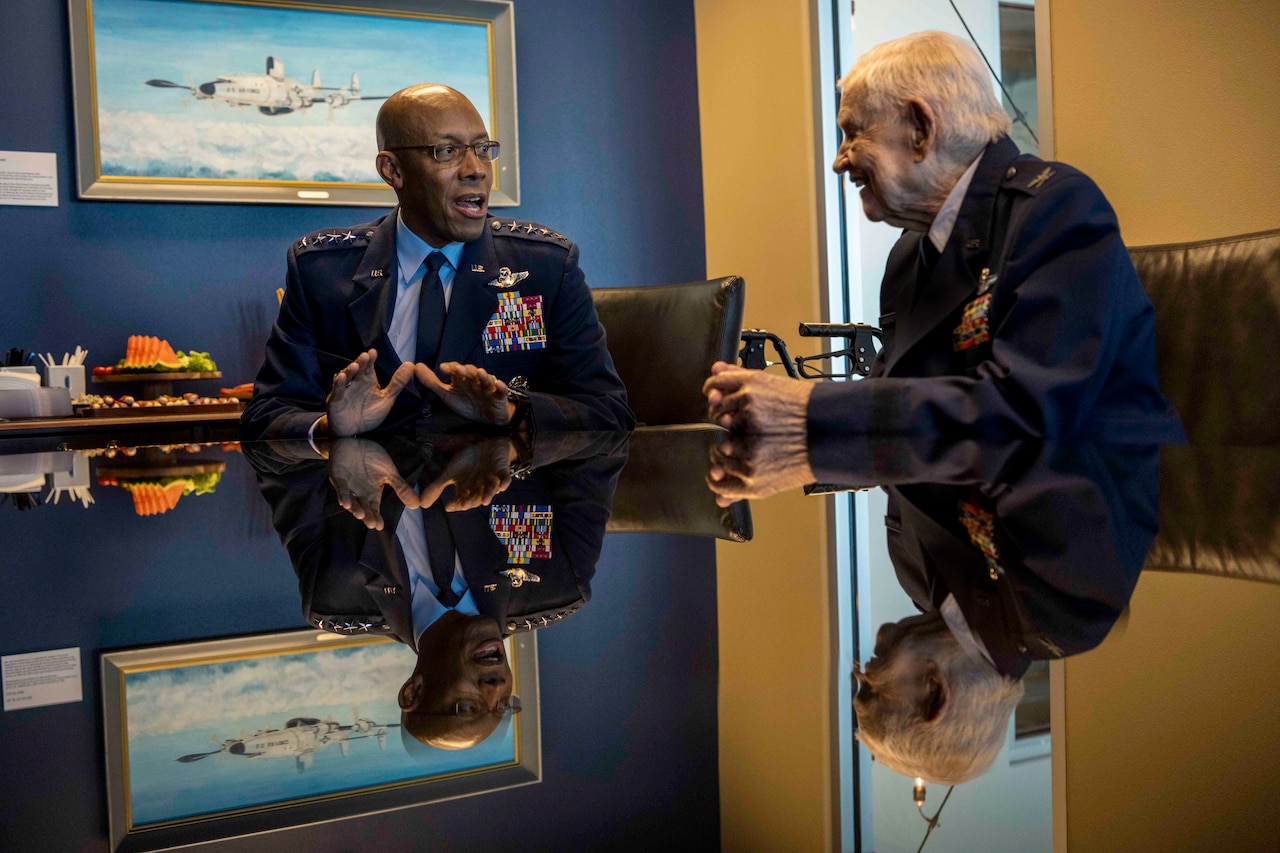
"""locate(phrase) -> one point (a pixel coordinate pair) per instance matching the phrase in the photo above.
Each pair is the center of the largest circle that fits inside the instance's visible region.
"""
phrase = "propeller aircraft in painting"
(300, 739)
(272, 93)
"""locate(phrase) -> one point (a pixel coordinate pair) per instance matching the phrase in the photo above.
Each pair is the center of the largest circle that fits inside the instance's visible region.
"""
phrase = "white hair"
(940, 69)
(960, 746)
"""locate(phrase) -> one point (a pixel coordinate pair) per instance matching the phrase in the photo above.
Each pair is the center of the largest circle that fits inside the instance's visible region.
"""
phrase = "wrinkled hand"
(359, 469)
(750, 466)
(472, 392)
(478, 470)
(753, 401)
(356, 404)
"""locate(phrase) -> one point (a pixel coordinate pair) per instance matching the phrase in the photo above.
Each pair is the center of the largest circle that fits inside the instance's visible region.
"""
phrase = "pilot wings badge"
(506, 278)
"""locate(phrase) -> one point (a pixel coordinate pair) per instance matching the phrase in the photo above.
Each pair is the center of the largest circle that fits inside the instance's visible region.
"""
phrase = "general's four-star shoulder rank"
(333, 238)
(528, 231)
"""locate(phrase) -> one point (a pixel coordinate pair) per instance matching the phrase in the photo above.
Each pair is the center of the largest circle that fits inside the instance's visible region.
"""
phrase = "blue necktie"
(440, 551)
(431, 311)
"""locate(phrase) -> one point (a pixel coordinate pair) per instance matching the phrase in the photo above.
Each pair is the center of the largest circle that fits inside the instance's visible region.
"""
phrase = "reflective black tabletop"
(274, 655)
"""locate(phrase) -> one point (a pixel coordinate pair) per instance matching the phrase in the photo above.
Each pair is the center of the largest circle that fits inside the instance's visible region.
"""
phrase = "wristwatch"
(519, 397)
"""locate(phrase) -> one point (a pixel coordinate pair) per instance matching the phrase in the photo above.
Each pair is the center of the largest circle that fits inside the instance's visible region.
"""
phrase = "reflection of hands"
(748, 466)
(472, 392)
(478, 472)
(753, 401)
(358, 469)
(356, 404)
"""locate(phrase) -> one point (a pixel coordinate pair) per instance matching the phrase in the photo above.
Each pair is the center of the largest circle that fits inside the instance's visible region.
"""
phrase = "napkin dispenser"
(34, 402)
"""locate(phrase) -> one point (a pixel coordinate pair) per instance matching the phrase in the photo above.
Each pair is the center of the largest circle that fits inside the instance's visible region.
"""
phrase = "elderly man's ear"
(924, 126)
(410, 691)
(937, 695)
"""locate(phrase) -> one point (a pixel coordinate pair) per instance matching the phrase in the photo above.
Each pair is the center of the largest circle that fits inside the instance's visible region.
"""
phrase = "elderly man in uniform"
(1009, 304)
(437, 310)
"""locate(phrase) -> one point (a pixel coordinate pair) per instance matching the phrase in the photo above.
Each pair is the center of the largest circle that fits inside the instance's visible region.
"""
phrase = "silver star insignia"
(514, 226)
(528, 229)
(544, 231)
(348, 236)
(302, 243)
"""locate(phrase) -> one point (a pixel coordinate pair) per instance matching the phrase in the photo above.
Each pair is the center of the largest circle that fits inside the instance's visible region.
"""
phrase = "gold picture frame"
(228, 738)
(190, 100)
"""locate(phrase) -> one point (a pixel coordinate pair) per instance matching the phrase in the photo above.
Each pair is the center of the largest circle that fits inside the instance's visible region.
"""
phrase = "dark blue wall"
(610, 155)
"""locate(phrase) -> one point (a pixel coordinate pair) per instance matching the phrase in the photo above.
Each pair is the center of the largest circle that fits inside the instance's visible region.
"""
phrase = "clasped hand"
(479, 469)
(357, 404)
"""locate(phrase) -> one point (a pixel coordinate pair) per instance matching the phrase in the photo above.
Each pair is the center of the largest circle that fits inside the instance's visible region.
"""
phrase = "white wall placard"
(29, 178)
(41, 678)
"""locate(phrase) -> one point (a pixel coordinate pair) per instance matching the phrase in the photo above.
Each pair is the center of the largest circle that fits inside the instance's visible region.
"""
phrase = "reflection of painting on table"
(261, 93)
(222, 732)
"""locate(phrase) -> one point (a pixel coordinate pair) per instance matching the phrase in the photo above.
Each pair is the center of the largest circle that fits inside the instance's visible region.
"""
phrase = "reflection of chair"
(663, 487)
(664, 340)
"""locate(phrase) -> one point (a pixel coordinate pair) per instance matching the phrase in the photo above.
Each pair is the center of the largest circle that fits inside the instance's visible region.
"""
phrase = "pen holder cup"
(70, 376)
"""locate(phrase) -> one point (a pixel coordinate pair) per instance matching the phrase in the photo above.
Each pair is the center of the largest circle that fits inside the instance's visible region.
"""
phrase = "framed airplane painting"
(273, 101)
(228, 738)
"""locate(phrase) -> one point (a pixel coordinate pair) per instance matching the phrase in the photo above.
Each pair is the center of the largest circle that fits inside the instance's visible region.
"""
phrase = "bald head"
(408, 117)
(441, 200)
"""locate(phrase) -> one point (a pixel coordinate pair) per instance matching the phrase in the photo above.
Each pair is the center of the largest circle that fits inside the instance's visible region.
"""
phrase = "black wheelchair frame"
(862, 343)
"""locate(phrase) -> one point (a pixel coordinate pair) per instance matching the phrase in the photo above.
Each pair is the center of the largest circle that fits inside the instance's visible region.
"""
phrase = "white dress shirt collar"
(945, 222)
(412, 250)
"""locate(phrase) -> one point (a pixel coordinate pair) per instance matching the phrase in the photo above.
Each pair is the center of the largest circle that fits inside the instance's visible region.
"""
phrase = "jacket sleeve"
(296, 375)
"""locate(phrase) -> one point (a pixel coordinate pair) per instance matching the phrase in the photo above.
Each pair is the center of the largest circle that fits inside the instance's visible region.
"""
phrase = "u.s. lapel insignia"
(506, 278)
(375, 274)
(516, 325)
(524, 530)
(975, 324)
(477, 268)
(519, 577)
(490, 587)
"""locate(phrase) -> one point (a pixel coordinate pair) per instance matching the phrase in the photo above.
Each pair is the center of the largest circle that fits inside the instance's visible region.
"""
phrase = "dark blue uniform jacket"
(339, 297)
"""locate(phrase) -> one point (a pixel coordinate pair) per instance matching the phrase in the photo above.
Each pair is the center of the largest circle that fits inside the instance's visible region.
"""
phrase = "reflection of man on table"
(1012, 552)
(449, 567)
(437, 309)
(1009, 304)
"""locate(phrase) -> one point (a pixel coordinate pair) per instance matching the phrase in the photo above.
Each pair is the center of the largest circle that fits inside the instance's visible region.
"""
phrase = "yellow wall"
(1171, 108)
(1169, 728)
(755, 91)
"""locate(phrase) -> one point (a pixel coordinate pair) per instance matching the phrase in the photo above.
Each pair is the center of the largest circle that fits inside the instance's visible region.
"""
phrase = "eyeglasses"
(447, 152)
(472, 708)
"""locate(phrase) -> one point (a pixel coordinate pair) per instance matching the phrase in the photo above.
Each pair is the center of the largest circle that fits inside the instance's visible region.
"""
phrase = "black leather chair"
(664, 339)
(1217, 333)
(1217, 329)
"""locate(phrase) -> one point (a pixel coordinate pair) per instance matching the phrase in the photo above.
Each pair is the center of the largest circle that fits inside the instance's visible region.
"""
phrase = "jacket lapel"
(376, 281)
(471, 304)
(954, 278)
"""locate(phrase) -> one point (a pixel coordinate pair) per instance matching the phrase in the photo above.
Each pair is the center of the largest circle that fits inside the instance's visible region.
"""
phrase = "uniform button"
(511, 626)
(1009, 174)
(496, 225)
(1022, 649)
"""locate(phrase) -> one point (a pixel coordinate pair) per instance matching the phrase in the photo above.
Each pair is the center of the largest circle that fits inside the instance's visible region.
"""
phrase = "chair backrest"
(1217, 329)
(664, 339)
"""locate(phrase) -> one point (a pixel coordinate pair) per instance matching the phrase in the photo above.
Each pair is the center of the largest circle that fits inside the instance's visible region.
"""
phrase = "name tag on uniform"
(974, 325)
(516, 325)
(524, 529)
